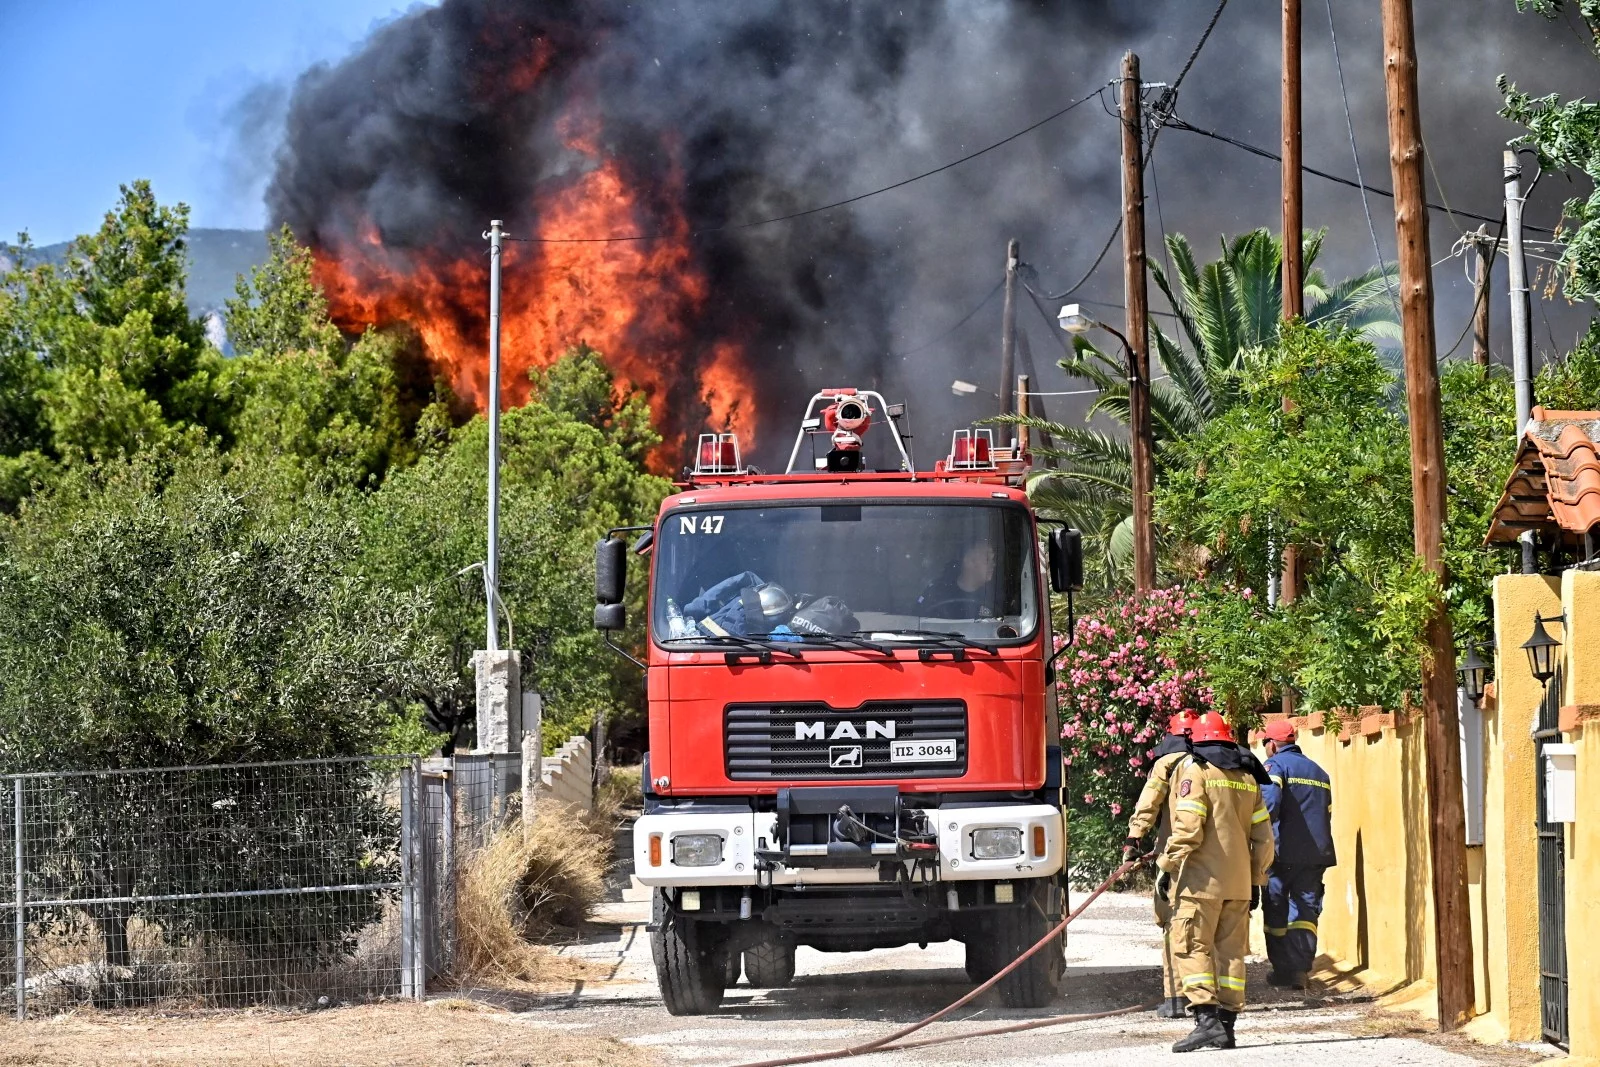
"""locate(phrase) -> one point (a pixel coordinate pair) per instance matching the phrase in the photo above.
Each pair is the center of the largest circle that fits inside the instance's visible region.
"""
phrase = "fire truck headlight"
(996, 843)
(697, 850)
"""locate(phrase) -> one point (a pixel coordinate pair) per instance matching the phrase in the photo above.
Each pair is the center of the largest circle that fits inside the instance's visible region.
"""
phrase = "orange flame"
(636, 302)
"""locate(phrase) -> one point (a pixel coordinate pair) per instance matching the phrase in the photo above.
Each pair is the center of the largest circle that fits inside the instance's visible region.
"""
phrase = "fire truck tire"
(769, 964)
(1036, 982)
(730, 977)
(691, 965)
(982, 959)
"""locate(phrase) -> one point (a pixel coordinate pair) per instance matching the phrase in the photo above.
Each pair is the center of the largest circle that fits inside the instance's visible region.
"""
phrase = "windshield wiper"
(763, 650)
(834, 641)
(946, 639)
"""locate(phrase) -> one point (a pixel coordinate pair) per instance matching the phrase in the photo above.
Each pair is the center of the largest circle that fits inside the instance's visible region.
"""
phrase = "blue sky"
(100, 92)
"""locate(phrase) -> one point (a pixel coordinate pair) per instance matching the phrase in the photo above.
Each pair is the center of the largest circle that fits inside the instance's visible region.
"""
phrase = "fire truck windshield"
(875, 570)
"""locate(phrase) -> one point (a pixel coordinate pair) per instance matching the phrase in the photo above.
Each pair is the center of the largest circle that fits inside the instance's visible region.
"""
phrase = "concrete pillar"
(499, 696)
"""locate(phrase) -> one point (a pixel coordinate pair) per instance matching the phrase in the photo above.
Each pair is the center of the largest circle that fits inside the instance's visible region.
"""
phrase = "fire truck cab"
(852, 729)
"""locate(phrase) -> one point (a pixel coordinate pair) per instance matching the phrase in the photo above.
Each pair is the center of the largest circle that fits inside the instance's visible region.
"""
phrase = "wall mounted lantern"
(1541, 648)
(1474, 672)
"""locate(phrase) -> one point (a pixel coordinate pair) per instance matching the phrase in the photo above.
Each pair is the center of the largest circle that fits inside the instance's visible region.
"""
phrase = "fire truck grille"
(814, 741)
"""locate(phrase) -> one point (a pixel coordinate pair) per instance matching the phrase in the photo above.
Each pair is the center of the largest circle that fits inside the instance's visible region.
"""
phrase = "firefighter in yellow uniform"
(1153, 812)
(1212, 870)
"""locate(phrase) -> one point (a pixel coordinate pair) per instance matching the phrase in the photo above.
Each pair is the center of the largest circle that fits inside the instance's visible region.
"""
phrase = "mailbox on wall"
(1560, 783)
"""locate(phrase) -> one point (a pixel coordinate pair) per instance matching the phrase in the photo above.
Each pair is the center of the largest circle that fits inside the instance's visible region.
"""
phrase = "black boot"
(1173, 1008)
(1208, 1031)
(1228, 1019)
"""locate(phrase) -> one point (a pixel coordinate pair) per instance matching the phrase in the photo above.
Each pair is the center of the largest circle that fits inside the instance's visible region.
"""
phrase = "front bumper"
(752, 854)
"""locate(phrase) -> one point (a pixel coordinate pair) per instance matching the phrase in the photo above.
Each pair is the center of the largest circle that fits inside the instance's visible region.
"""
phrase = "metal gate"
(1552, 881)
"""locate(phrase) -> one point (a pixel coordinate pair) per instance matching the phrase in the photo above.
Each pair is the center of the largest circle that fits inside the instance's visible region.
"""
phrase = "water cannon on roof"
(845, 416)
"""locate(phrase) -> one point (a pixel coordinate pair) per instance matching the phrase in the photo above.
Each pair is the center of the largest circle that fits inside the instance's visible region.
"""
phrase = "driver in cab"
(965, 589)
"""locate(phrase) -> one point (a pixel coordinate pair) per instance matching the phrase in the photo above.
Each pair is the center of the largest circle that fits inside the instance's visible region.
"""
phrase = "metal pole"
(408, 895)
(1136, 289)
(448, 903)
(1008, 328)
(421, 906)
(491, 570)
(20, 925)
(1441, 728)
(1521, 347)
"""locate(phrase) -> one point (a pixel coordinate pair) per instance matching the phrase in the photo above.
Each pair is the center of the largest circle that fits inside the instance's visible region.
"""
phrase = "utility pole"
(1447, 826)
(1022, 409)
(499, 671)
(491, 566)
(1521, 320)
(1137, 298)
(1008, 329)
(1483, 245)
(1294, 273)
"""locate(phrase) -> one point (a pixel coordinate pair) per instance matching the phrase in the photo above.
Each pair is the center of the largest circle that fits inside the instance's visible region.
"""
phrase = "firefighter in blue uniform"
(1300, 799)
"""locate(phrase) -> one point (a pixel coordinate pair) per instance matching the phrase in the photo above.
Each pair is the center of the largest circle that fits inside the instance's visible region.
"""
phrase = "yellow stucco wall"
(1507, 953)
(1377, 918)
(1581, 602)
(1377, 927)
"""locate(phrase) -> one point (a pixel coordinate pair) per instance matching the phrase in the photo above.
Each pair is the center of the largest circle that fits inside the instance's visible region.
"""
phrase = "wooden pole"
(1022, 409)
(1483, 244)
(1294, 285)
(1137, 299)
(1452, 921)
(1008, 329)
(1294, 274)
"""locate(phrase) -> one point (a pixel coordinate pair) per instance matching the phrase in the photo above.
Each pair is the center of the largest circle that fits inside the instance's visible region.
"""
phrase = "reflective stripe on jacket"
(1301, 801)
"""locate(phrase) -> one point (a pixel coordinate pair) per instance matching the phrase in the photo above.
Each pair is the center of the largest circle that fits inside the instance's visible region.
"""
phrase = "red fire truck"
(852, 732)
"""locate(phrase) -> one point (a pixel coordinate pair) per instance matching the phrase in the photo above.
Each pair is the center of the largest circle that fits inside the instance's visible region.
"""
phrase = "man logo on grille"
(842, 757)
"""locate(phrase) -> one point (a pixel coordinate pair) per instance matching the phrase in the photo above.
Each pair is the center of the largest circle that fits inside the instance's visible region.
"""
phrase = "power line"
(1355, 155)
(820, 207)
(1181, 124)
(1161, 111)
(954, 326)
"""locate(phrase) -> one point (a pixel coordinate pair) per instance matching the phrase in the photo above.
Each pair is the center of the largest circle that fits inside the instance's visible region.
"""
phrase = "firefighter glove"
(1164, 885)
(1131, 845)
(1255, 897)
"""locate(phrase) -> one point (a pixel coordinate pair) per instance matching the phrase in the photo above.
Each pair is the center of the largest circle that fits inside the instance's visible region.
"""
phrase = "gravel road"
(840, 999)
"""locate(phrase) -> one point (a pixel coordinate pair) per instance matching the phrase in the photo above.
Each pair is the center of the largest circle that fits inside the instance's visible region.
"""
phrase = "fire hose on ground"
(890, 1042)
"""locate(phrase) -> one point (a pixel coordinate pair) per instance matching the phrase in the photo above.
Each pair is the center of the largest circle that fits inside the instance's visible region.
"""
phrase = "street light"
(1075, 322)
(1473, 671)
(1141, 438)
(1541, 648)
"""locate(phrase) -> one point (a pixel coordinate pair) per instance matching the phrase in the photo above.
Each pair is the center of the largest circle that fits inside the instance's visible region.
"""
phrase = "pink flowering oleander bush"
(1117, 688)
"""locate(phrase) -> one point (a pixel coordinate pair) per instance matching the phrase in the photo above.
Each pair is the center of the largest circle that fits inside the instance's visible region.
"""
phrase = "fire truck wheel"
(691, 963)
(730, 976)
(982, 959)
(769, 964)
(1035, 983)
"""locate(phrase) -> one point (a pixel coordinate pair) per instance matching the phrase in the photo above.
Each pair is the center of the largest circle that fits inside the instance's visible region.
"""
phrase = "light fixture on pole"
(1142, 446)
(1474, 672)
(1541, 648)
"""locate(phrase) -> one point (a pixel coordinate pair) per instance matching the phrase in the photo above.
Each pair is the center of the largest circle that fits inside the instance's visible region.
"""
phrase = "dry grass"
(619, 793)
(525, 887)
(401, 1035)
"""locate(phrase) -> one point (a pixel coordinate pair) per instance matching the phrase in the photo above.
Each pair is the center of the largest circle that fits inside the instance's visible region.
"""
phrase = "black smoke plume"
(733, 112)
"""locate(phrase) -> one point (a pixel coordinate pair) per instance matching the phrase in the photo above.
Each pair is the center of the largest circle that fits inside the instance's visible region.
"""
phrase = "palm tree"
(1225, 311)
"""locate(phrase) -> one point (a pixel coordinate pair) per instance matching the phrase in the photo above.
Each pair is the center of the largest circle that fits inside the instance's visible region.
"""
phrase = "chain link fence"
(267, 883)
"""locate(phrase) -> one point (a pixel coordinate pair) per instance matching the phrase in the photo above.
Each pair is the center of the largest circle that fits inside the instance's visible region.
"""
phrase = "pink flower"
(1116, 809)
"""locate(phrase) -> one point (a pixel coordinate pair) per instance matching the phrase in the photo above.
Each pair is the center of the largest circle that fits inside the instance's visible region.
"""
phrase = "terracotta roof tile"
(1555, 486)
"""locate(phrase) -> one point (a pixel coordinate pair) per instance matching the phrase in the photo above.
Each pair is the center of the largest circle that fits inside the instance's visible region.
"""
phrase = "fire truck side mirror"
(1066, 560)
(610, 572)
(610, 616)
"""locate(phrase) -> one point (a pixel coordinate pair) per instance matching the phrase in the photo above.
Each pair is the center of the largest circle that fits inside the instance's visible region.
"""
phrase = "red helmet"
(1211, 727)
(1182, 722)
